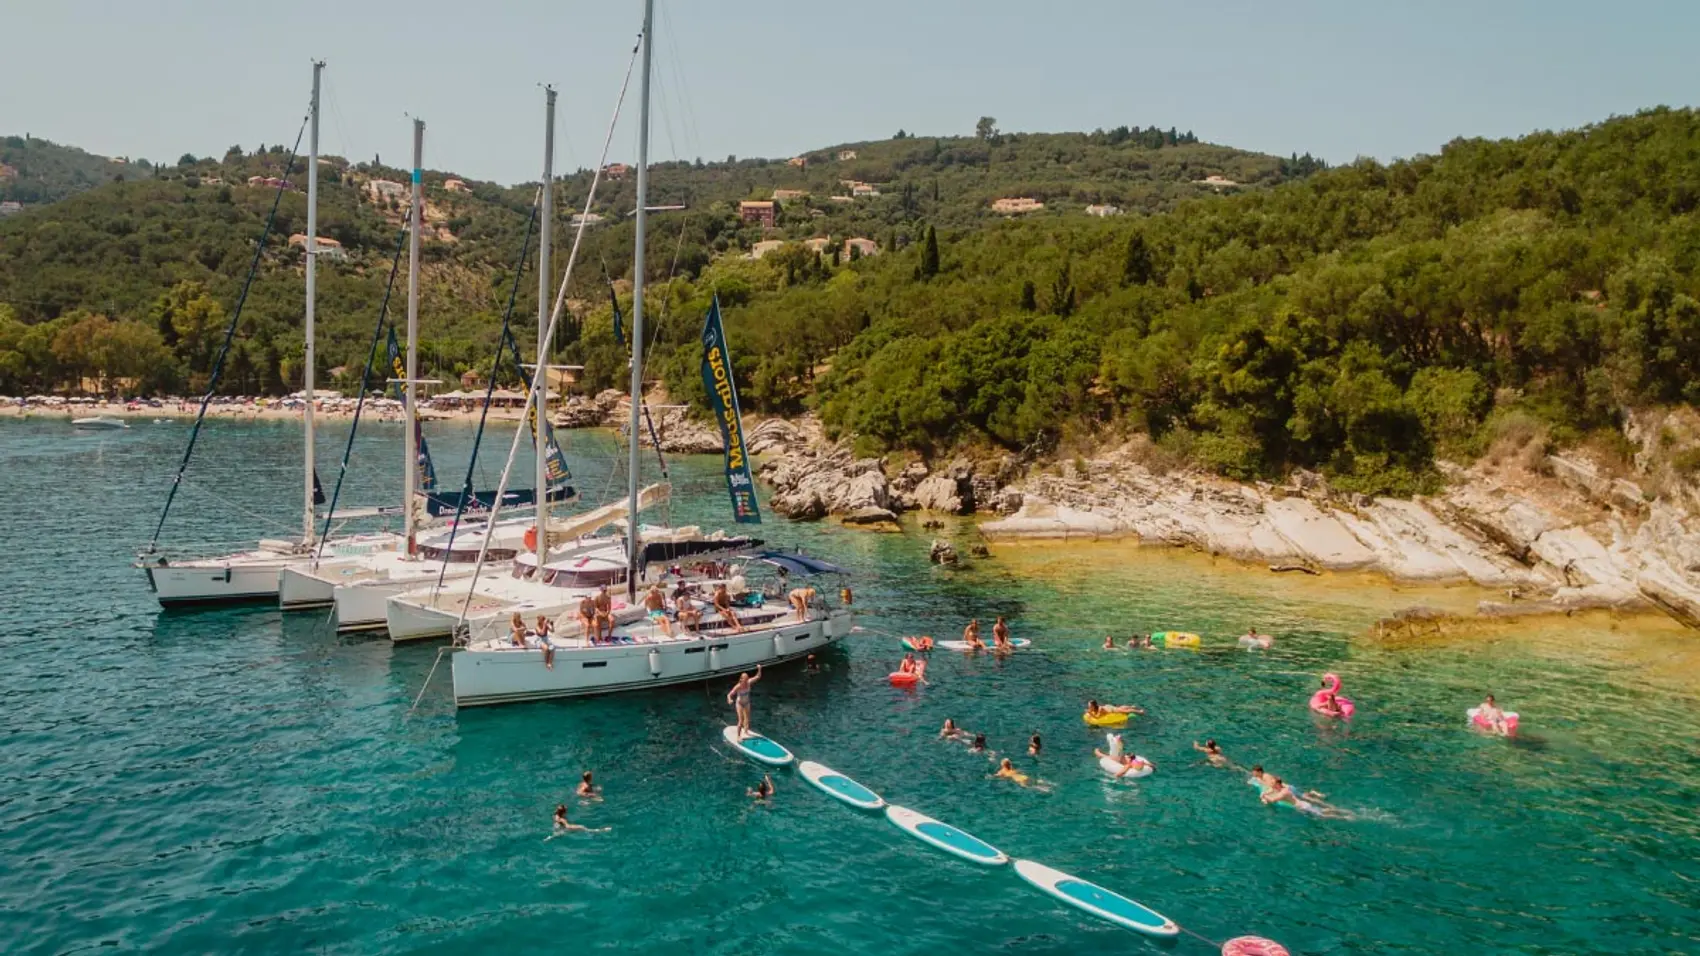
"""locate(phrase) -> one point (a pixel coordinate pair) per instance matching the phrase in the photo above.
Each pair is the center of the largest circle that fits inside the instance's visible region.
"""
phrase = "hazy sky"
(1339, 79)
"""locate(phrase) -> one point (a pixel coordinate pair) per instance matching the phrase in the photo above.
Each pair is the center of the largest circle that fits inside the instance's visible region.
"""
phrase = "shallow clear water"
(244, 781)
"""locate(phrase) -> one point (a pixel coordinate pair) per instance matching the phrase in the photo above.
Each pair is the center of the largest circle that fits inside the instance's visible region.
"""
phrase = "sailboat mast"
(540, 405)
(634, 547)
(416, 217)
(312, 288)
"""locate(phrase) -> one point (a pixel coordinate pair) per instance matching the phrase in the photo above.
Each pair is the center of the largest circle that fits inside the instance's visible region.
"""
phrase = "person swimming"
(1140, 642)
(1007, 771)
(587, 787)
(563, 825)
(1034, 746)
(950, 731)
(979, 744)
(1259, 777)
(1212, 753)
(1109, 642)
(762, 791)
(810, 665)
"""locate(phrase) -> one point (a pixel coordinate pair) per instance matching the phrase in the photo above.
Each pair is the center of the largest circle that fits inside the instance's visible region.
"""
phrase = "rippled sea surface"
(240, 780)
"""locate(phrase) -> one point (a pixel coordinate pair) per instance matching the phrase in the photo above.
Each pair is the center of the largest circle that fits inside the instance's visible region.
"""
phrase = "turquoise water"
(243, 781)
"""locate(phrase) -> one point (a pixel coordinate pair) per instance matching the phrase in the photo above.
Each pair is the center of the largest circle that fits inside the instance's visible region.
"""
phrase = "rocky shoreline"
(1555, 533)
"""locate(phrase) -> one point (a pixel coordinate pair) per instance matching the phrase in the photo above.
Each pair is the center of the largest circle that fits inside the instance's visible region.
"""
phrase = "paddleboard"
(1094, 899)
(838, 786)
(965, 646)
(945, 837)
(1112, 766)
(757, 748)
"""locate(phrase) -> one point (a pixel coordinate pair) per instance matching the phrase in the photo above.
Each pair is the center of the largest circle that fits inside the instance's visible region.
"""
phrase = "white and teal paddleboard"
(757, 748)
(840, 787)
(965, 646)
(1094, 899)
(945, 837)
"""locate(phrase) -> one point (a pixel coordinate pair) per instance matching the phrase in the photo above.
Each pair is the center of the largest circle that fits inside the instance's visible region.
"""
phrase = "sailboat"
(578, 553)
(644, 649)
(358, 585)
(255, 574)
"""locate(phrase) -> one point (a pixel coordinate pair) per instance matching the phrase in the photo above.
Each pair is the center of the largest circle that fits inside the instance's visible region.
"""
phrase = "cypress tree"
(1136, 266)
(1029, 297)
(930, 254)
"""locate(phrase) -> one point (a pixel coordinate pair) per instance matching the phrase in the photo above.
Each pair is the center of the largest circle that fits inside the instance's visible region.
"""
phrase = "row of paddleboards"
(1082, 894)
(909, 644)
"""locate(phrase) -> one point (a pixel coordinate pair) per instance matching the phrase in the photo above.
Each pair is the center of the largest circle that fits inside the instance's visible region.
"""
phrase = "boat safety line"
(423, 687)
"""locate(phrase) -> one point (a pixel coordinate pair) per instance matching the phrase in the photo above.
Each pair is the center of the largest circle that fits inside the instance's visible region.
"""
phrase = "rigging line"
(541, 376)
(229, 335)
(360, 403)
(693, 139)
(466, 490)
(422, 687)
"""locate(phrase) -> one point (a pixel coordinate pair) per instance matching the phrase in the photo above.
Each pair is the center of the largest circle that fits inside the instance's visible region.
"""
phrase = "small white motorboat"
(99, 423)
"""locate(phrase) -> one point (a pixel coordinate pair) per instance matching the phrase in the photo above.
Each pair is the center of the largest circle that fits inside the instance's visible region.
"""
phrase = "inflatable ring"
(900, 679)
(1253, 946)
(1177, 639)
(1476, 720)
(1106, 718)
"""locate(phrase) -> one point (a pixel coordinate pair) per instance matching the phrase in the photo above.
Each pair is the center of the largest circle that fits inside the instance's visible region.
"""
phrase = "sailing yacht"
(647, 648)
(256, 574)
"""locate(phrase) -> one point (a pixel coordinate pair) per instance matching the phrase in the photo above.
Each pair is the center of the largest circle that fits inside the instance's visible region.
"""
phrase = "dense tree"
(930, 254)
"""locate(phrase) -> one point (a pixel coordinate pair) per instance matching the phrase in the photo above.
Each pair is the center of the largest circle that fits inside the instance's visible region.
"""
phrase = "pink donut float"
(1253, 946)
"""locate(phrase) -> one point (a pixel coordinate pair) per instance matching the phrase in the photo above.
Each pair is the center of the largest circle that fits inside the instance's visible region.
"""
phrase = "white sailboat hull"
(247, 575)
(213, 582)
(499, 675)
(300, 588)
(407, 621)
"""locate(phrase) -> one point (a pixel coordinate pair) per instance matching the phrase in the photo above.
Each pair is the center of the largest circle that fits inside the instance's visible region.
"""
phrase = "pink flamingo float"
(1328, 701)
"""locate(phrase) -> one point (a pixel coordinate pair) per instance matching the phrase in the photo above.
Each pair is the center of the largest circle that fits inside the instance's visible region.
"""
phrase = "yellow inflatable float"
(1105, 718)
(1176, 639)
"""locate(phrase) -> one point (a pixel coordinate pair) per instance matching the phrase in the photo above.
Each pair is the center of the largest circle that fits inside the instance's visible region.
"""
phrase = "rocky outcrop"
(1572, 537)
(581, 411)
(815, 482)
(1568, 542)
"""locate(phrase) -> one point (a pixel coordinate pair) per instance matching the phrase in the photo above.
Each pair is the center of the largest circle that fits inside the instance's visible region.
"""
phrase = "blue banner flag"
(427, 471)
(723, 400)
(555, 470)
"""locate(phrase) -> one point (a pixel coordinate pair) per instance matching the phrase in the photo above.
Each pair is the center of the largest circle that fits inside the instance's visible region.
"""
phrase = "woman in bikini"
(739, 698)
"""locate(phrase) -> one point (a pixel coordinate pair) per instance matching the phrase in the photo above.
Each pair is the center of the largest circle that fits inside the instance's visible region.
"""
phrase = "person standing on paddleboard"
(739, 698)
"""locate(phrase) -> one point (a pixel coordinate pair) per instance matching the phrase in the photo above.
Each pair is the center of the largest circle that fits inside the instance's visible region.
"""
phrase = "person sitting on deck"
(587, 618)
(723, 604)
(656, 604)
(544, 629)
(517, 629)
(604, 614)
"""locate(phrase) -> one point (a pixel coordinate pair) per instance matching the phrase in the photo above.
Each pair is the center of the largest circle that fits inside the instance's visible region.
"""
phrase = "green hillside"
(1361, 322)
(38, 171)
(137, 251)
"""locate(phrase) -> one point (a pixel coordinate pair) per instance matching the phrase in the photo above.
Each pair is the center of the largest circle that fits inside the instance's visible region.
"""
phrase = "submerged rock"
(942, 552)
